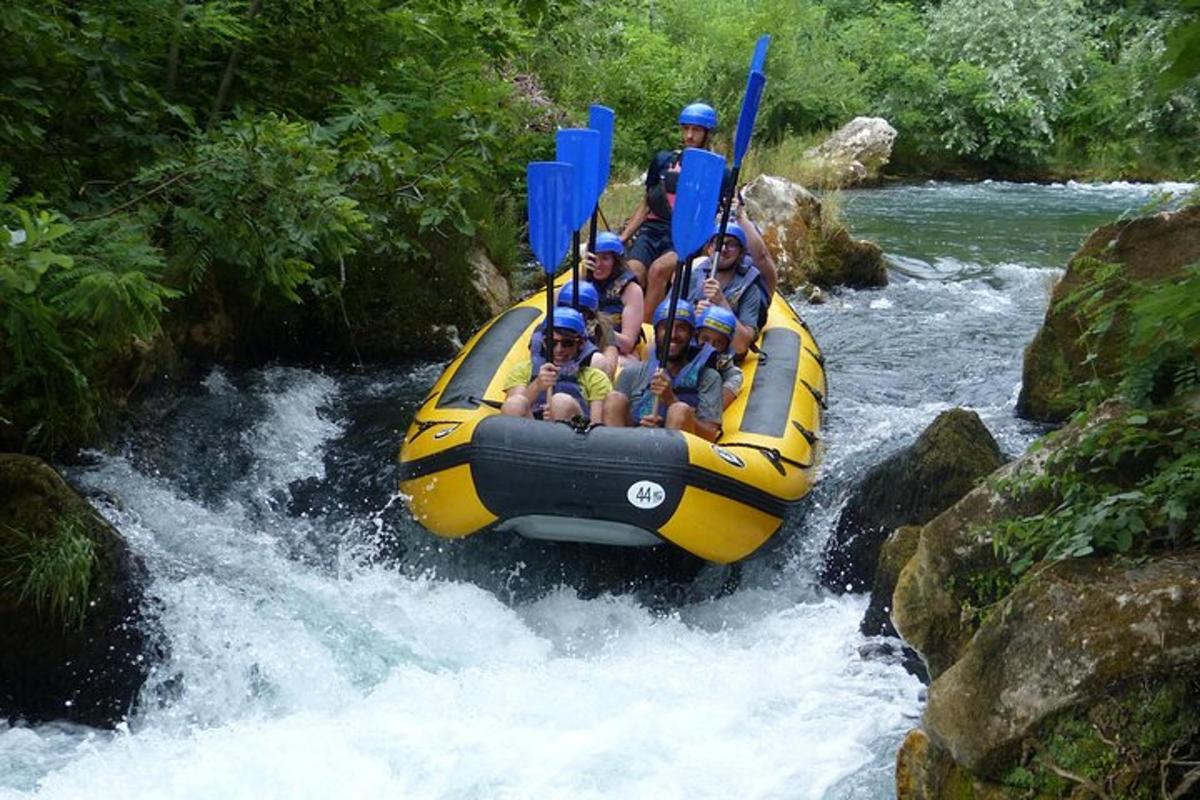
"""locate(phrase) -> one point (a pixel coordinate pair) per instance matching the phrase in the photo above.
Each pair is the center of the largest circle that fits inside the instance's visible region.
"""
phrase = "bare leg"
(681, 417)
(660, 278)
(616, 410)
(563, 407)
(605, 363)
(516, 405)
(639, 269)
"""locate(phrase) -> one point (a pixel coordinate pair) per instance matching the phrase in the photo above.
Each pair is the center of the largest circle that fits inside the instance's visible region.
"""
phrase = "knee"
(680, 416)
(516, 406)
(563, 406)
(616, 409)
(638, 269)
(605, 364)
(661, 270)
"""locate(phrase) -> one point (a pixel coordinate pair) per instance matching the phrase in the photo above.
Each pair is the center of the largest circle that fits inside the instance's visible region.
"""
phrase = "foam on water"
(299, 664)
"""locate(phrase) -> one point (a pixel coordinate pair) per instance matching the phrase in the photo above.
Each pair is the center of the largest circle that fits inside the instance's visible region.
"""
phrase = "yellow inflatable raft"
(466, 469)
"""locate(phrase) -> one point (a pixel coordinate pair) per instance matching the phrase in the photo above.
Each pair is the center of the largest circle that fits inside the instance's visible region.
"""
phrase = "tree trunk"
(230, 71)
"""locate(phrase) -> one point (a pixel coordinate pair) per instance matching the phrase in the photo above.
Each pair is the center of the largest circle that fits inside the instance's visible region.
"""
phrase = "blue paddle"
(550, 185)
(759, 60)
(696, 197)
(741, 142)
(602, 119)
(580, 147)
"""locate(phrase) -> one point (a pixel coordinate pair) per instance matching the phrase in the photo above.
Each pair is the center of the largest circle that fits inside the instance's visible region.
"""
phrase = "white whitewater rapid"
(302, 663)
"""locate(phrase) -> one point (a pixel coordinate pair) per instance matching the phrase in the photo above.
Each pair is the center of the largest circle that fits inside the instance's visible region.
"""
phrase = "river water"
(321, 645)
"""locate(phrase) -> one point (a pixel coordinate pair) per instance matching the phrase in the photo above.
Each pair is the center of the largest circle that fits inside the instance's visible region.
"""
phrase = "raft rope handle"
(816, 393)
(772, 455)
(424, 425)
(483, 401)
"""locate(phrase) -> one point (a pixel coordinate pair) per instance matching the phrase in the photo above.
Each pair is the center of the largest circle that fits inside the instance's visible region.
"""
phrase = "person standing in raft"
(736, 284)
(688, 391)
(578, 390)
(652, 255)
(621, 300)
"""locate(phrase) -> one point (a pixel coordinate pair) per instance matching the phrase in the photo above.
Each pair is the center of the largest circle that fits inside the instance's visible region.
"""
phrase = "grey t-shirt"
(749, 305)
(711, 403)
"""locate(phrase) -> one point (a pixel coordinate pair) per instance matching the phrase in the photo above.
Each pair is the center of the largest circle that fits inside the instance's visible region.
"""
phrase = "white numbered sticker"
(646, 494)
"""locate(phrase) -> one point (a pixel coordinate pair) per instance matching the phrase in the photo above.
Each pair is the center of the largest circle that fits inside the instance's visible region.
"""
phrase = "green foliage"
(52, 573)
(263, 201)
(70, 294)
(1139, 743)
(1129, 486)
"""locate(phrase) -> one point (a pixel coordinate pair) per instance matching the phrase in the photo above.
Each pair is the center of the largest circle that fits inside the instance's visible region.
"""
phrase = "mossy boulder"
(908, 488)
(73, 638)
(894, 553)
(955, 574)
(1150, 249)
(1062, 638)
(924, 771)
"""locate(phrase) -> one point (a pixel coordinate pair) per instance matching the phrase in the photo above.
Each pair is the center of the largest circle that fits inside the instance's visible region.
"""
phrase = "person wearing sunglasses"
(575, 390)
(736, 283)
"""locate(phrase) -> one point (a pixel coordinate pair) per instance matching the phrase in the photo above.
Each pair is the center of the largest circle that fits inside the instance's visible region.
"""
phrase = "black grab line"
(473, 375)
(770, 403)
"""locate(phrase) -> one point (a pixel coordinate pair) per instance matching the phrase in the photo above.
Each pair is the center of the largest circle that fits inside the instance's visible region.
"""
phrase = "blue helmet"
(700, 114)
(734, 230)
(609, 243)
(719, 319)
(589, 298)
(683, 312)
(568, 319)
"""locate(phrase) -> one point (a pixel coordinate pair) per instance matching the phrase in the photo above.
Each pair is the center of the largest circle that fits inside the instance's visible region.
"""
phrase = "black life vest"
(661, 196)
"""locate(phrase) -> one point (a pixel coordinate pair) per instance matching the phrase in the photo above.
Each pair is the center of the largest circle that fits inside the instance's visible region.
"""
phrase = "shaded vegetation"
(52, 574)
(318, 173)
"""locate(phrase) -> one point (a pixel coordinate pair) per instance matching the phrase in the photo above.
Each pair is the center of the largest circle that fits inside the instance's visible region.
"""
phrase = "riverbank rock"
(955, 572)
(908, 488)
(812, 251)
(492, 287)
(926, 772)
(855, 153)
(894, 553)
(1060, 639)
(1150, 249)
(73, 638)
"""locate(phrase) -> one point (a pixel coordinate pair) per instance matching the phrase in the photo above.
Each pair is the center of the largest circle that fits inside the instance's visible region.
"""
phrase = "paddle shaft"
(575, 270)
(548, 332)
(592, 230)
(664, 346)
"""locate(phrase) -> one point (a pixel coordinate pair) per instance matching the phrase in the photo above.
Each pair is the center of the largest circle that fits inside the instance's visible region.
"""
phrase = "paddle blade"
(696, 196)
(549, 188)
(602, 119)
(580, 147)
(759, 60)
(745, 126)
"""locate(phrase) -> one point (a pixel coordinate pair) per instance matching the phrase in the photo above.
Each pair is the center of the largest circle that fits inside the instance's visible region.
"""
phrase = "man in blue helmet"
(715, 327)
(652, 254)
(687, 394)
(575, 390)
(735, 284)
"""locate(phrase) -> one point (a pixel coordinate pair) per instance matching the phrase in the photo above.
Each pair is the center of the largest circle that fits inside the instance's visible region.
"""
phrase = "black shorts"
(652, 240)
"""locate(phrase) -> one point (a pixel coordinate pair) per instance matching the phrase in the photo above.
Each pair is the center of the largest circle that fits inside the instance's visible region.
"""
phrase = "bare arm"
(635, 222)
(742, 338)
(631, 316)
(758, 251)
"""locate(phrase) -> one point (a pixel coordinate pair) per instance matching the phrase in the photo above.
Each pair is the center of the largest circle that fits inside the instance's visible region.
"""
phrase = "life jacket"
(661, 196)
(685, 385)
(611, 304)
(568, 373)
(746, 277)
